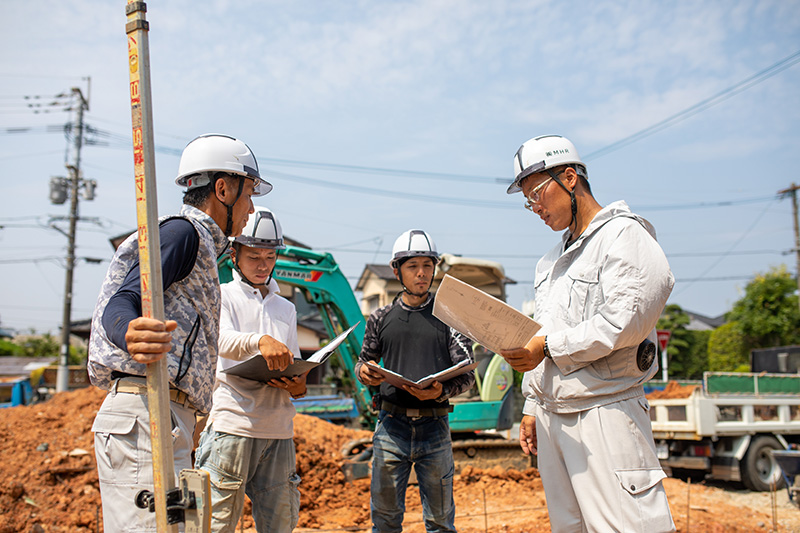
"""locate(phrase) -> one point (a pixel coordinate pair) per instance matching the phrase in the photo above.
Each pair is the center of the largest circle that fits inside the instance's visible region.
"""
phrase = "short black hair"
(199, 196)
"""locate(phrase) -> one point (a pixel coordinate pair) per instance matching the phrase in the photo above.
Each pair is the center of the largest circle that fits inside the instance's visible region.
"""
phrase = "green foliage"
(768, 313)
(695, 361)
(77, 355)
(42, 346)
(727, 351)
(687, 350)
(9, 348)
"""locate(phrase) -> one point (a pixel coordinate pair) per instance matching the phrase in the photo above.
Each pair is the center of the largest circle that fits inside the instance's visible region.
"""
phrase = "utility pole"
(793, 191)
(62, 377)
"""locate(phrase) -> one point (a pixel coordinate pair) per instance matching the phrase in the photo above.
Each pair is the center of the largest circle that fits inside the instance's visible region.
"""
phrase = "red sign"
(663, 338)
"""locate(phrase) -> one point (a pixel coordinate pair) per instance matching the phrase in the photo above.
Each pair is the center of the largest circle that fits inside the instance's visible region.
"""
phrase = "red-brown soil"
(673, 391)
(49, 482)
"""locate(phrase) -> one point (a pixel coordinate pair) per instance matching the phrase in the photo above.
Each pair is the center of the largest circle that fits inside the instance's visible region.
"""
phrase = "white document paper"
(256, 367)
(481, 317)
(448, 373)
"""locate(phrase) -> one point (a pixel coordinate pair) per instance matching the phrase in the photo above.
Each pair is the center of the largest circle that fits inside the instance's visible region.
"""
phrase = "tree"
(727, 351)
(9, 348)
(696, 359)
(768, 313)
(687, 350)
(41, 346)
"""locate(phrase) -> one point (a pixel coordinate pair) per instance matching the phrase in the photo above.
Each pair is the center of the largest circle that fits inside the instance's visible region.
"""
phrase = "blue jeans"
(398, 443)
(264, 469)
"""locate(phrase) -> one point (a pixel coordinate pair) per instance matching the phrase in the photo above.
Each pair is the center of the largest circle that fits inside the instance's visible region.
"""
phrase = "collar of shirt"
(417, 308)
(221, 242)
(609, 212)
(273, 287)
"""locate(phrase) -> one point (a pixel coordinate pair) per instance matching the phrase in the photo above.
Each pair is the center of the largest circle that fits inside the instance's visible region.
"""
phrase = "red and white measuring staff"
(149, 252)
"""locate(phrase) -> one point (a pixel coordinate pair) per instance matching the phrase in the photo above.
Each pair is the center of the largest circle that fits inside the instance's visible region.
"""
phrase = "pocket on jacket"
(583, 288)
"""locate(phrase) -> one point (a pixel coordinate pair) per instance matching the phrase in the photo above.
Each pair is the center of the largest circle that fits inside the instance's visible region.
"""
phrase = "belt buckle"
(413, 413)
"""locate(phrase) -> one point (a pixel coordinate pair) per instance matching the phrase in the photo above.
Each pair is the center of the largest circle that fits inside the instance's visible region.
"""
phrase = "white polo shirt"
(242, 406)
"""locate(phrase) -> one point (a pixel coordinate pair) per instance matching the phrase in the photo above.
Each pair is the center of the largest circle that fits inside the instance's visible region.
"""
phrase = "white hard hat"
(413, 243)
(262, 231)
(214, 152)
(541, 153)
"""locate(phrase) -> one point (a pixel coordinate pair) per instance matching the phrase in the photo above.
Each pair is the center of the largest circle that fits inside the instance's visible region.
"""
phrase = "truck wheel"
(758, 468)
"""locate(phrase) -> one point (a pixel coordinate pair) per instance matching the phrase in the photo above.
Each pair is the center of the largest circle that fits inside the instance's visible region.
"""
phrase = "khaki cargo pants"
(124, 458)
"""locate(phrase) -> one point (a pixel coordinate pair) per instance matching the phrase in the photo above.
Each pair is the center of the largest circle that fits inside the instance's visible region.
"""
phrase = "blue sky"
(442, 93)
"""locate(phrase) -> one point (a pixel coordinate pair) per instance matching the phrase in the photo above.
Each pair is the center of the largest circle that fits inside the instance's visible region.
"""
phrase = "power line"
(715, 278)
(53, 258)
(703, 205)
(721, 96)
(480, 202)
(730, 249)
(109, 139)
(537, 256)
(682, 280)
(387, 171)
(391, 194)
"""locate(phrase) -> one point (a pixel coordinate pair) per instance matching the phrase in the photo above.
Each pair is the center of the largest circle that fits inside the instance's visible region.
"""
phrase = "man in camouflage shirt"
(220, 174)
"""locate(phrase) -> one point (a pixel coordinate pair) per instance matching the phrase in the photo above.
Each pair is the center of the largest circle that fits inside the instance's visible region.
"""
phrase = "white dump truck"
(727, 426)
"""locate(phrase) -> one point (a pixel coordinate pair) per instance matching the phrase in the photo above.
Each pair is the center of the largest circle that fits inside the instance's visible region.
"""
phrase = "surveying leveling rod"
(168, 502)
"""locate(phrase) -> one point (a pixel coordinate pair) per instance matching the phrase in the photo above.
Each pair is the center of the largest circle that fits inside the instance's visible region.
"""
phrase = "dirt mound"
(47, 465)
(673, 391)
(48, 482)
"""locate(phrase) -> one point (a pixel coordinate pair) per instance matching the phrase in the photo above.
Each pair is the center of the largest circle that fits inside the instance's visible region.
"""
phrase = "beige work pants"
(600, 470)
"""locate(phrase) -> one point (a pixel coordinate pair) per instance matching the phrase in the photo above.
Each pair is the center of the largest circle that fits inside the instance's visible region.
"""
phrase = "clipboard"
(448, 373)
(256, 367)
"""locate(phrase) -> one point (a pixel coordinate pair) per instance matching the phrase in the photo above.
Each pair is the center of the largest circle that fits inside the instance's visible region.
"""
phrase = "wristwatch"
(546, 349)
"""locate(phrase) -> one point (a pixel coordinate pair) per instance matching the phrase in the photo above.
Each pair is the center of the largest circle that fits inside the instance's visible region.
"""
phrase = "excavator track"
(489, 453)
(482, 453)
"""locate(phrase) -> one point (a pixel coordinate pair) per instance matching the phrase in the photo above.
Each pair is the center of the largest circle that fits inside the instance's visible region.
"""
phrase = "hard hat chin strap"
(573, 202)
(229, 207)
(244, 278)
(406, 289)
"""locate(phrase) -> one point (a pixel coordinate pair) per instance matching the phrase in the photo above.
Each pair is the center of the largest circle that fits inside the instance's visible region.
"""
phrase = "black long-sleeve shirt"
(414, 343)
(179, 246)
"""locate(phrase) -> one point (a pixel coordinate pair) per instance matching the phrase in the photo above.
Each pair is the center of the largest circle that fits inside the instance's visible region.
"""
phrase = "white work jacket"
(243, 406)
(597, 301)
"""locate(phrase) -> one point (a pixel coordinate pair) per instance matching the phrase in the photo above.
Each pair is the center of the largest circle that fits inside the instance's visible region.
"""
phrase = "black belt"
(415, 412)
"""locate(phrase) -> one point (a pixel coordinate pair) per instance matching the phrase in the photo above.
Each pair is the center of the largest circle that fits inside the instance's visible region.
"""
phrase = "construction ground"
(48, 483)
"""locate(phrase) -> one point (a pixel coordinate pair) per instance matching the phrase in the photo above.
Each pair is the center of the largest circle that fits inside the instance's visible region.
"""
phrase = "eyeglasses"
(534, 196)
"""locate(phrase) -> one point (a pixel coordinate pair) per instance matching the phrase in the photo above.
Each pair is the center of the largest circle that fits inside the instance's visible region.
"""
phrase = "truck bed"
(730, 404)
